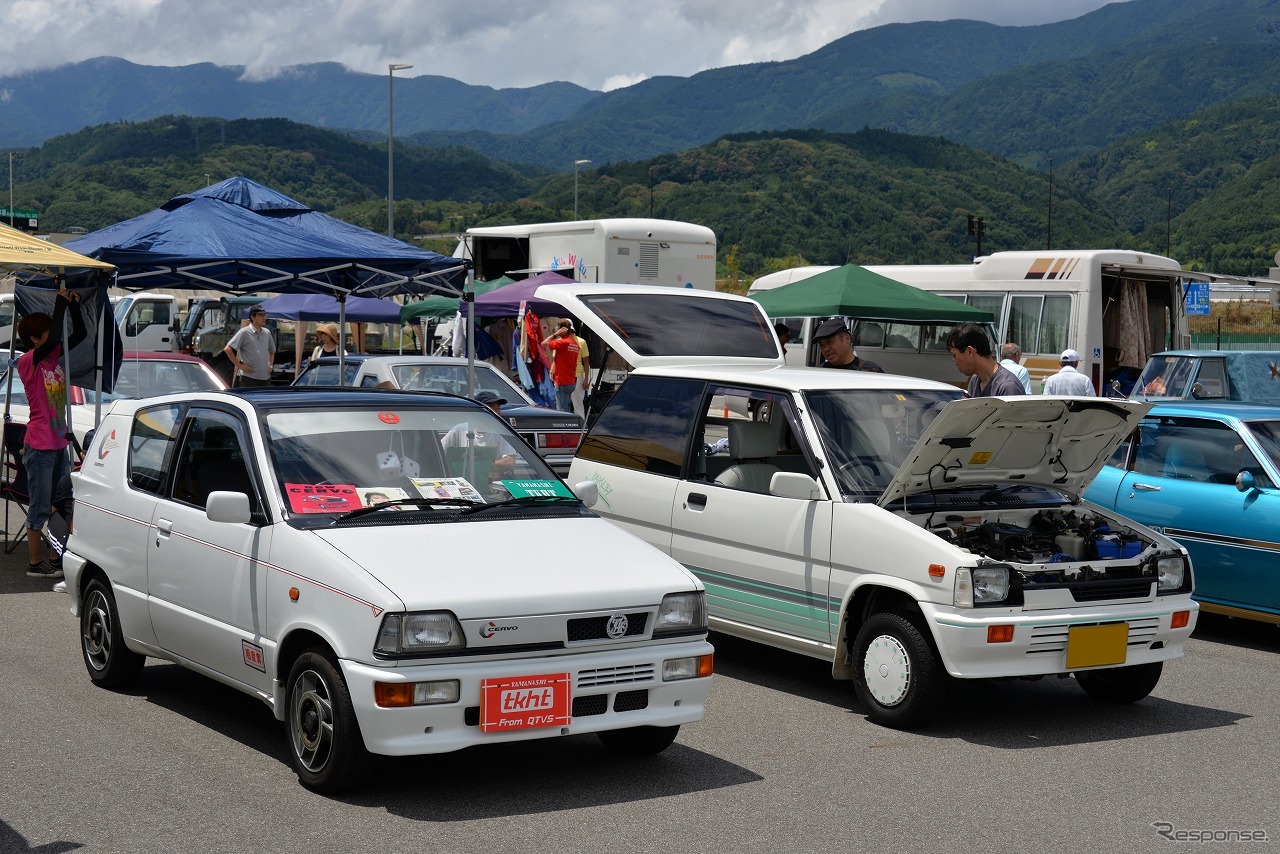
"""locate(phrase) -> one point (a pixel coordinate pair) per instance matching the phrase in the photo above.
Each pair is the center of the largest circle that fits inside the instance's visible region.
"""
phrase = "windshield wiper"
(1002, 491)
(401, 502)
(523, 501)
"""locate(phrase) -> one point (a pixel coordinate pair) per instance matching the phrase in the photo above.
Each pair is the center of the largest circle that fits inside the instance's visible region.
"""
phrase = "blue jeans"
(48, 483)
(564, 397)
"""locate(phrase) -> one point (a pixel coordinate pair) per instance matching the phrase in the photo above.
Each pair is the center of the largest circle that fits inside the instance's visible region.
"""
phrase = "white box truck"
(619, 251)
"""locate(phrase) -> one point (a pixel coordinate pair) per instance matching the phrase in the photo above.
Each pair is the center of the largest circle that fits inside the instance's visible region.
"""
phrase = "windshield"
(453, 380)
(868, 434)
(662, 325)
(1165, 376)
(332, 462)
(152, 377)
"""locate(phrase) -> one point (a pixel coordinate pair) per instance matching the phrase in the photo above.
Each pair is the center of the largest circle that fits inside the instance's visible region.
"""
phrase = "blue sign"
(1197, 298)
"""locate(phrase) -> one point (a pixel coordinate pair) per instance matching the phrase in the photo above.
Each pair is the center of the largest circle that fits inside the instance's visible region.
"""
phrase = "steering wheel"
(860, 460)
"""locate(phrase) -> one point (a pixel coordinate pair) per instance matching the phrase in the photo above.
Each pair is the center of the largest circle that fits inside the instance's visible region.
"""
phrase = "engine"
(1050, 536)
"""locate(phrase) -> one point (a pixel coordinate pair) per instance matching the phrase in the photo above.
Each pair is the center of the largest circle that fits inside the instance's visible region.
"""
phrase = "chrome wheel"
(96, 629)
(110, 662)
(326, 748)
(311, 721)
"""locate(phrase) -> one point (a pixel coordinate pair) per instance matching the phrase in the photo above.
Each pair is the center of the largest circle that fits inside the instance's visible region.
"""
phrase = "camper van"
(1115, 307)
(622, 251)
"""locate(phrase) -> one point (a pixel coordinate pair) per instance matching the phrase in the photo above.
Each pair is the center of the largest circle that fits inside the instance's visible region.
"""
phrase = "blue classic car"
(1208, 475)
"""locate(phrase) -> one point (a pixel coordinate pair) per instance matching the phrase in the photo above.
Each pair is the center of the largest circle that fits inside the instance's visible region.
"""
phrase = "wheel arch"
(873, 597)
(291, 646)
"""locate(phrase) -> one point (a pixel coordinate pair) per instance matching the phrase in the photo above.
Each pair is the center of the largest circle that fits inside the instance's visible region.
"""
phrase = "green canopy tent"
(857, 292)
(441, 307)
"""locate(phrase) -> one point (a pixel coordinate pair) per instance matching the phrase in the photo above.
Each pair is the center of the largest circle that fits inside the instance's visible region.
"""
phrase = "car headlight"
(981, 585)
(681, 613)
(407, 634)
(1171, 574)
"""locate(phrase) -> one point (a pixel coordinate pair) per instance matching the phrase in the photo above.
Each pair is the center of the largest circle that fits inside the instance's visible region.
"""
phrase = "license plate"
(524, 702)
(1092, 646)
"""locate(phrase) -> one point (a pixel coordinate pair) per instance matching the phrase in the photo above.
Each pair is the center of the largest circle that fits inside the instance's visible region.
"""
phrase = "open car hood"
(1058, 442)
(650, 325)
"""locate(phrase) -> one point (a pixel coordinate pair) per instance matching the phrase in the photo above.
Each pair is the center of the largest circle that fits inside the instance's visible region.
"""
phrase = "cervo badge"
(524, 702)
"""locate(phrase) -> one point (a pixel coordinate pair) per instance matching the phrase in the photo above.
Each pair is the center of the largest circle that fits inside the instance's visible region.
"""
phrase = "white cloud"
(501, 43)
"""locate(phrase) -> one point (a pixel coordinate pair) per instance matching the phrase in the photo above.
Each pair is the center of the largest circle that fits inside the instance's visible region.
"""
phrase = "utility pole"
(1048, 244)
(976, 229)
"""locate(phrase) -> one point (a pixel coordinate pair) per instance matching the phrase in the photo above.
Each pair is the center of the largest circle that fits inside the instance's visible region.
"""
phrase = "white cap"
(1069, 356)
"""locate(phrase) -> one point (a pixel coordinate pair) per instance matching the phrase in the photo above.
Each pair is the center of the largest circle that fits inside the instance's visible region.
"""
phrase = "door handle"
(1145, 487)
(696, 499)
(164, 528)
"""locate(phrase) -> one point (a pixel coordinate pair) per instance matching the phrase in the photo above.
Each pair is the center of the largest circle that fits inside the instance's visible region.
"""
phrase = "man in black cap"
(836, 345)
(252, 350)
(481, 438)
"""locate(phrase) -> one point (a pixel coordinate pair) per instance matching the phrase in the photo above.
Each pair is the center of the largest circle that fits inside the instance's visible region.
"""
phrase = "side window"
(1191, 449)
(903, 336)
(155, 430)
(647, 425)
(212, 458)
(744, 437)
(368, 381)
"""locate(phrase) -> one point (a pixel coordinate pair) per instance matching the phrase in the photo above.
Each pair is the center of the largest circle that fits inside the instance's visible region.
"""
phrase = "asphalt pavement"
(784, 762)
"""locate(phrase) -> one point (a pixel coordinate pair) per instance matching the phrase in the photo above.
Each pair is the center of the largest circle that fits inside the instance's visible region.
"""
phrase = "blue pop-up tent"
(321, 307)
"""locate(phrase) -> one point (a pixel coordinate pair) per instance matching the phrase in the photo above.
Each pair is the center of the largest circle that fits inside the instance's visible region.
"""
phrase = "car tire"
(325, 745)
(896, 674)
(1121, 684)
(110, 663)
(639, 740)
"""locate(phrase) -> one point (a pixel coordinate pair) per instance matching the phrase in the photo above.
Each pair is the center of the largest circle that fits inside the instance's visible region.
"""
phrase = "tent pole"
(469, 294)
(66, 372)
(342, 351)
(97, 375)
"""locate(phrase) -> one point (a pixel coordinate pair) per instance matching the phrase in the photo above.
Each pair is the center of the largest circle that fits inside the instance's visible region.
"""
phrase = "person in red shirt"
(44, 450)
(564, 348)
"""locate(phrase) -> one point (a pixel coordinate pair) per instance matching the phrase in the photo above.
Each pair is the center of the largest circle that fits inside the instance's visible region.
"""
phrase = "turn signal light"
(706, 665)
(999, 634)
(392, 695)
(1180, 619)
(937, 570)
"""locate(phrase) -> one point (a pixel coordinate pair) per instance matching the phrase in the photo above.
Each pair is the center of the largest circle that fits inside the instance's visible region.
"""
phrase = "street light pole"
(576, 164)
(392, 68)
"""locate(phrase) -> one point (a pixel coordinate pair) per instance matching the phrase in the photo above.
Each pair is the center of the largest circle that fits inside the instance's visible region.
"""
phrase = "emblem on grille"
(617, 626)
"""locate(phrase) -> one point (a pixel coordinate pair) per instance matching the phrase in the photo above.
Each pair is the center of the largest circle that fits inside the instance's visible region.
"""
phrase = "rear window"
(646, 426)
(675, 325)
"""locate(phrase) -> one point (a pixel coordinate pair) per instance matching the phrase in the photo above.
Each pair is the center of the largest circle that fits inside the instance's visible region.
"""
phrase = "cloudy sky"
(599, 44)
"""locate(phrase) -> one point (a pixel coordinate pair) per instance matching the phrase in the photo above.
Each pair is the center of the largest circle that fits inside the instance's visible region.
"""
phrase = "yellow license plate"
(1093, 646)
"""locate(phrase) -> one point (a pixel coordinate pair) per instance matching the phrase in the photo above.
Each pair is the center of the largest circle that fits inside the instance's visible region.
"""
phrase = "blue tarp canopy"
(241, 237)
(321, 307)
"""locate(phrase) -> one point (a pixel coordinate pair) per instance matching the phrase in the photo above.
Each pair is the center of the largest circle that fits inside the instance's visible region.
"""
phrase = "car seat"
(750, 444)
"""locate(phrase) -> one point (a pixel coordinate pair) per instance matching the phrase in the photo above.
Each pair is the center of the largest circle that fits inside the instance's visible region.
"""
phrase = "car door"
(207, 580)
(1182, 481)
(765, 560)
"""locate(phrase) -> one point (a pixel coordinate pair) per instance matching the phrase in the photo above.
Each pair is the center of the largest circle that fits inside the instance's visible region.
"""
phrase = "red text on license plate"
(524, 702)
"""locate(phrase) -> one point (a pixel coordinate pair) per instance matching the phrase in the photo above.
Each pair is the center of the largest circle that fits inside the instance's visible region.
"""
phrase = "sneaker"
(43, 569)
(60, 587)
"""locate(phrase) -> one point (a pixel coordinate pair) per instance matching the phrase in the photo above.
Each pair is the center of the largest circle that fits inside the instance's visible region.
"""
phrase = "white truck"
(621, 251)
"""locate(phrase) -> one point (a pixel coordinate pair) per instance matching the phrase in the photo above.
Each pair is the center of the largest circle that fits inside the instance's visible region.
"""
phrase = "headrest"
(892, 410)
(751, 440)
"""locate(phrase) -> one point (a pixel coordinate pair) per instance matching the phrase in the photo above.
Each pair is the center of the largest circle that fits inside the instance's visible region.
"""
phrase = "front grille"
(631, 701)
(593, 628)
(1092, 591)
(614, 675)
(1053, 638)
(596, 704)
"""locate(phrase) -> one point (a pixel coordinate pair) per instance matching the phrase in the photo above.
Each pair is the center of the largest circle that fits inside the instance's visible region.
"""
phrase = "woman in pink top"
(44, 451)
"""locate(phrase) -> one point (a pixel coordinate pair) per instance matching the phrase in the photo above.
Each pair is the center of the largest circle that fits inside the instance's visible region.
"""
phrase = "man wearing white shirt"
(1069, 381)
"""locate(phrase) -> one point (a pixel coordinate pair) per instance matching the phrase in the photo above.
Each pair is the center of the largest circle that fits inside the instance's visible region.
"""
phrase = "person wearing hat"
(835, 343)
(252, 350)
(457, 436)
(1068, 381)
(970, 349)
(329, 340)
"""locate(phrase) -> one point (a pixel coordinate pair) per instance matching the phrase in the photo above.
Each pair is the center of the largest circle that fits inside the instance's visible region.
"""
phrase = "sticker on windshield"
(388, 418)
(372, 496)
(536, 488)
(980, 458)
(447, 487)
(322, 497)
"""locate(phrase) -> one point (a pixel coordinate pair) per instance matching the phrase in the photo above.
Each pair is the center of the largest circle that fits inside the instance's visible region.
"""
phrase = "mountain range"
(1032, 94)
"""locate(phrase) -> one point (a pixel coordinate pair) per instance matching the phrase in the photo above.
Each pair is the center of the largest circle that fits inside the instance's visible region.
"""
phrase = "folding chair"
(14, 486)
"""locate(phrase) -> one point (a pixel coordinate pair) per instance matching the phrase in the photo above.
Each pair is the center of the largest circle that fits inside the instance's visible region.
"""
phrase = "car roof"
(796, 378)
(406, 359)
(157, 355)
(1219, 411)
(274, 398)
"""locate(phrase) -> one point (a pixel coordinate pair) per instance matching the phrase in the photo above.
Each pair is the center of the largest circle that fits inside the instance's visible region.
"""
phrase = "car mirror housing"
(587, 491)
(790, 484)
(230, 507)
(1245, 481)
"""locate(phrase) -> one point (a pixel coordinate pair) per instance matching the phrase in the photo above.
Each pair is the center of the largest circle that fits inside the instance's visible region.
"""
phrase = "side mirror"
(1115, 389)
(588, 492)
(1245, 481)
(1197, 391)
(232, 507)
(790, 484)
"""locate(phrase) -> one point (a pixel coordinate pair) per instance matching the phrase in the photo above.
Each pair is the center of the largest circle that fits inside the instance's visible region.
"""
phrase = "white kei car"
(372, 565)
(875, 520)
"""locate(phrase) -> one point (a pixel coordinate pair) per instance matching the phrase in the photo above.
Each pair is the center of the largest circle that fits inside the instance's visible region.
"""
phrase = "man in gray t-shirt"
(252, 350)
(971, 351)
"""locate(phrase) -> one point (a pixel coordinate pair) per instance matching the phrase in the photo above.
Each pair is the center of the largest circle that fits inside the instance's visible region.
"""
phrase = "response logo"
(108, 445)
(491, 628)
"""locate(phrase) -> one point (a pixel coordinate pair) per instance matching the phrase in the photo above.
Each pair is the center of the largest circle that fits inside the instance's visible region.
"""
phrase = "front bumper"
(448, 727)
(1039, 644)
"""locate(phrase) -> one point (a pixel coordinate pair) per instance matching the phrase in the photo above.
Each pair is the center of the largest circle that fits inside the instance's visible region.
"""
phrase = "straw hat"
(330, 329)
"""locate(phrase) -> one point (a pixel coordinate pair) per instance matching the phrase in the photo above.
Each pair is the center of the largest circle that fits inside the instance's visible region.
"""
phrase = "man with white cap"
(1068, 381)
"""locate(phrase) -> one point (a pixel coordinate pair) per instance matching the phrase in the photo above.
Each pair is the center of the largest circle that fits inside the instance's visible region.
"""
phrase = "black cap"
(827, 328)
(257, 309)
(488, 397)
